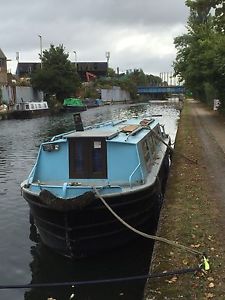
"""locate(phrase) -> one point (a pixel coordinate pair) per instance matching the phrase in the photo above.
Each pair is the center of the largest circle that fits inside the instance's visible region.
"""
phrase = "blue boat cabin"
(119, 154)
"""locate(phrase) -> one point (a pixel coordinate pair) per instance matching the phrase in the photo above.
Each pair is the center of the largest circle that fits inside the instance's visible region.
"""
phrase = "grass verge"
(190, 217)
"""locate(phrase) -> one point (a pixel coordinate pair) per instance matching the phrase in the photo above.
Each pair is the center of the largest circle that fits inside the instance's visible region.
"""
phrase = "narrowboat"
(74, 105)
(29, 110)
(125, 162)
(91, 103)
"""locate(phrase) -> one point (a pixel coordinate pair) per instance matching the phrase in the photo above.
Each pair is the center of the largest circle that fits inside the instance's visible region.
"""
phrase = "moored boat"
(74, 105)
(90, 103)
(28, 110)
(124, 162)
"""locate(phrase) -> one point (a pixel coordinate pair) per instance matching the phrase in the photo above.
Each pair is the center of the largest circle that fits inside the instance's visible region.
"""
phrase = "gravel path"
(211, 129)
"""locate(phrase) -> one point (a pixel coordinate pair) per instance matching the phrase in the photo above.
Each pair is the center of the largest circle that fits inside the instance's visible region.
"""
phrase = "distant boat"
(28, 110)
(91, 102)
(124, 162)
(74, 104)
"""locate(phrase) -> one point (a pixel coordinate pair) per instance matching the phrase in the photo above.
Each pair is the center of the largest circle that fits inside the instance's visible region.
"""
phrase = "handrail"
(31, 174)
(133, 174)
(136, 170)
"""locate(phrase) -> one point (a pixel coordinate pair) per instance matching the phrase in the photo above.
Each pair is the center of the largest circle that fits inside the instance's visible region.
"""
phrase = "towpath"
(211, 132)
(194, 208)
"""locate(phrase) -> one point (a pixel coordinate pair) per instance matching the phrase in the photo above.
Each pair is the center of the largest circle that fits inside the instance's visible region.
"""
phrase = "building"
(25, 69)
(3, 68)
(98, 69)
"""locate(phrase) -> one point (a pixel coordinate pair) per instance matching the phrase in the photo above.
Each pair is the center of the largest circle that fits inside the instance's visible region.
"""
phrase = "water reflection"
(64, 122)
(48, 267)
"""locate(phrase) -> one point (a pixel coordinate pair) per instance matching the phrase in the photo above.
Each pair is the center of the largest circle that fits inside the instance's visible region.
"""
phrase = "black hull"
(74, 108)
(93, 229)
(29, 114)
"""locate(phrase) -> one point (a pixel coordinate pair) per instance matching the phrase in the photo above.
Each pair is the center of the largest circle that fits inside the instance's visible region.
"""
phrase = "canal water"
(23, 259)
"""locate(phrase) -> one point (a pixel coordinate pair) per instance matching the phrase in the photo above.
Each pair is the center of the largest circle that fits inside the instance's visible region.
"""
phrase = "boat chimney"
(78, 122)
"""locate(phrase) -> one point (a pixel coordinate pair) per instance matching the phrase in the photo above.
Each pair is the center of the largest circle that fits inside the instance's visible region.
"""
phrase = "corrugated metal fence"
(17, 94)
(116, 94)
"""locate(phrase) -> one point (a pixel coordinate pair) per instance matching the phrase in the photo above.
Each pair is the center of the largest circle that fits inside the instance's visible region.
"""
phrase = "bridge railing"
(161, 89)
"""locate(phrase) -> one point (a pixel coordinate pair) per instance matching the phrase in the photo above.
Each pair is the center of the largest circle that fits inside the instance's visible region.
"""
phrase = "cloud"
(136, 32)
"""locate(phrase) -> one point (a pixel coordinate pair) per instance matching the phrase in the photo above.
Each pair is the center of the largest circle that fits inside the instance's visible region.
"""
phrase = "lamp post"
(75, 53)
(107, 55)
(17, 56)
(40, 48)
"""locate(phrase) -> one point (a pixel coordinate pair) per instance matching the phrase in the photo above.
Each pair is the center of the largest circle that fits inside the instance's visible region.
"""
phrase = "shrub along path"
(193, 212)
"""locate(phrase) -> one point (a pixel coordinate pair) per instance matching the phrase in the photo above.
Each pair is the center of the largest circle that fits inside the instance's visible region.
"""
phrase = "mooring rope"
(73, 284)
(153, 237)
(172, 149)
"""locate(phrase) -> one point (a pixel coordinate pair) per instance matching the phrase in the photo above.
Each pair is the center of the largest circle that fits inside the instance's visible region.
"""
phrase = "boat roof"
(92, 133)
(122, 131)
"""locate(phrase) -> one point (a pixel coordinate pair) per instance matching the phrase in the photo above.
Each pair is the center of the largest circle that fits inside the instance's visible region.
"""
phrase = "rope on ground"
(205, 262)
(100, 281)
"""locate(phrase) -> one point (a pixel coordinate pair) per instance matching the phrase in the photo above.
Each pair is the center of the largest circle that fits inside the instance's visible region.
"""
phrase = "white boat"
(28, 110)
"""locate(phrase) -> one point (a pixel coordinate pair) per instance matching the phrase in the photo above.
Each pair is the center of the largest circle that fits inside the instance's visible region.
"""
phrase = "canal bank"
(4, 115)
(193, 210)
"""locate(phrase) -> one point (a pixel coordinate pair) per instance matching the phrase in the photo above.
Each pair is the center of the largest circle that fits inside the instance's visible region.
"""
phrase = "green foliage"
(57, 75)
(200, 59)
(128, 82)
(111, 72)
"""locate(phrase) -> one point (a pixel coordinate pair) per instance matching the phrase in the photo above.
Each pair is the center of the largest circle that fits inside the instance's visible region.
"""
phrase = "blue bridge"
(161, 90)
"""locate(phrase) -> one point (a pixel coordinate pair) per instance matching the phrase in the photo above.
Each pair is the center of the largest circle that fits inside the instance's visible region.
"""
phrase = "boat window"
(146, 152)
(27, 106)
(158, 131)
(32, 106)
(80, 162)
(87, 158)
(39, 105)
(152, 143)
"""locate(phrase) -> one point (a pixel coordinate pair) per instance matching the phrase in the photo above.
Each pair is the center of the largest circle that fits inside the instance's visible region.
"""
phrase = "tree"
(111, 73)
(196, 51)
(128, 82)
(57, 76)
(200, 59)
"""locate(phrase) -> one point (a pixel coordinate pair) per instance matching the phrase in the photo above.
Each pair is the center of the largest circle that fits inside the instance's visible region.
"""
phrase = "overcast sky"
(137, 33)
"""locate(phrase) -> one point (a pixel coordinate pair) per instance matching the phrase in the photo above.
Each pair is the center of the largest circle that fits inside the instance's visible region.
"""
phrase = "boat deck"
(124, 131)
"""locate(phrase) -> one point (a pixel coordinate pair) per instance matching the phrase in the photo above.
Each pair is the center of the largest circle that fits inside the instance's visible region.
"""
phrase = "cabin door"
(87, 158)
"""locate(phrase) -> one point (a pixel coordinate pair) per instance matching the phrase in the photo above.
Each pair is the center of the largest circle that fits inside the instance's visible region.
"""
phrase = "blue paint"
(67, 192)
(122, 160)
(53, 166)
(126, 163)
